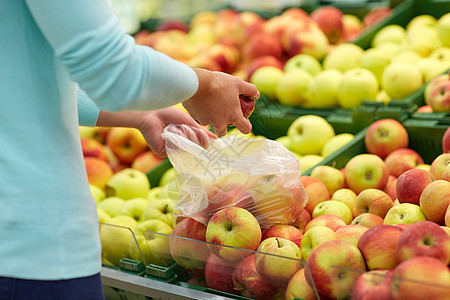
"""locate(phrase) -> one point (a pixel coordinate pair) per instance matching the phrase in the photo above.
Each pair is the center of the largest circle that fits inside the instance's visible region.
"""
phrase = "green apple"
(421, 20)
(375, 60)
(334, 207)
(134, 208)
(167, 176)
(152, 242)
(336, 142)
(97, 193)
(401, 79)
(442, 54)
(285, 141)
(314, 237)
(443, 28)
(406, 56)
(391, 33)
(86, 132)
(161, 209)
(111, 205)
(323, 89)
(103, 217)
(115, 237)
(304, 62)
(156, 193)
(344, 57)
(422, 40)
(309, 134)
(430, 68)
(382, 96)
(404, 213)
(308, 161)
(127, 184)
(357, 85)
(292, 87)
(266, 79)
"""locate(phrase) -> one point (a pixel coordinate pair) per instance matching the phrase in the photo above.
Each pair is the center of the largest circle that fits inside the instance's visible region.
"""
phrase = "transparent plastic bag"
(259, 175)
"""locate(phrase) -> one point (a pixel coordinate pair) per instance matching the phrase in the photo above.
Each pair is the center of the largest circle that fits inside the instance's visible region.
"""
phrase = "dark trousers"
(85, 288)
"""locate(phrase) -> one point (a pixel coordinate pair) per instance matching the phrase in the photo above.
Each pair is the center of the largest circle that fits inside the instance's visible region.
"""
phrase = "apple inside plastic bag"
(259, 175)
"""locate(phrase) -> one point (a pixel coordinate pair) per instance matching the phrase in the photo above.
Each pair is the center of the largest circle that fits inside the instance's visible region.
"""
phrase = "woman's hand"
(216, 101)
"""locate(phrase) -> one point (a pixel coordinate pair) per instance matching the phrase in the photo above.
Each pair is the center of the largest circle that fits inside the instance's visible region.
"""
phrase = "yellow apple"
(323, 89)
(336, 142)
(304, 62)
(266, 79)
(344, 57)
(401, 79)
(443, 28)
(391, 33)
(357, 85)
(97, 193)
(111, 205)
(308, 161)
(292, 87)
(375, 60)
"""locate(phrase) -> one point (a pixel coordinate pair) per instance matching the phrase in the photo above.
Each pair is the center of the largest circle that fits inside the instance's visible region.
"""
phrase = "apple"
(344, 57)
(298, 287)
(161, 209)
(439, 97)
(356, 85)
(332, 177)
(390, 187)
(288, 232)
(302, 220)
(346, 196)
(292, 87)
(420, 278)
(334, 275)
(167, 176)
(234, 227)
(373, 285)
(219, 274)
(424, 238)
(384, 136)
(146, 161)
(404, 213)
(378, 246)
(372, 201)
(282, 262)
(375, 60)
(401, 160)
(111, 205)
(447, 216)
(259, 62)
(115, 237)
(446, 141)
(333, 207)
(134, 208)
(392, 33)
(410, 185)
(434, 201)
(329, 19)
(152, 242)
(365, 171)
(368, 220)
(351, 233)
(309, 133)
(432, 83)
(103, 217)
(304, 62)
(331, 221)
(249, 283)
(97, 193)
(352, 27)
(262, 44)
(439, 164)
(126, 143)
(98, 171)
(376, 15)
(316, 190)
(401, 79)
(247, 105)
(266, 79)
(93, 148)
(443, 28)
(187, 244)
(308, 161)
(314, 237)
(323, 89)
(127, 184)
(336, 142)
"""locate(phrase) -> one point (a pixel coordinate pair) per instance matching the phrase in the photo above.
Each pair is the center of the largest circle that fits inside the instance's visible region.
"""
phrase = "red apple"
(98, 171)
(126, 143)
(316, 191)
(288, 232)
(434, 201)
(261, 61)
(365, 171)
(384, 136)
(424, 238)
(186, 245)
(302, 220)
(410, 185)
(352, 27)
(334, 275)
(376, 14)
(390, 187)
(373, 285)
(247, 105)
(93, 148)
(446, 141)
(401, 160)
(368, 220)
(331, 221)
(420, 278)
(146, 161)
(447, 216)
(249, 283)
(425, 109)
(439, 165)
(439, 96)
(219, 274)
(262, 44)
(351, 233)
(235, 227)
(372, 201)
(329, 19)
(172, 25)
(378, 246)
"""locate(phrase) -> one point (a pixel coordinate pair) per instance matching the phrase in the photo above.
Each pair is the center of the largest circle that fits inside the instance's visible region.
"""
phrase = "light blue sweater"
(49, 49)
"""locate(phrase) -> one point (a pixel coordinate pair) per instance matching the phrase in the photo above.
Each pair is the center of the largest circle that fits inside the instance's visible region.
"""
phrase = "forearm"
(120, 119)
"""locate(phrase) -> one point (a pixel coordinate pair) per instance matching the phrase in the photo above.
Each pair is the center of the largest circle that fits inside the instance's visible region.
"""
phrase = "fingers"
(243, 125)
(249, 90)
(220, 131)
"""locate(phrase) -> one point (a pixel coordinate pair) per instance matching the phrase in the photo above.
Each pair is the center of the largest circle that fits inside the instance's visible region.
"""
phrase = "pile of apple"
(399, 62)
